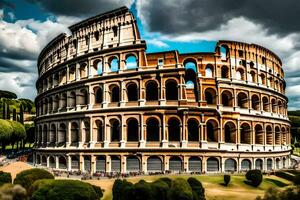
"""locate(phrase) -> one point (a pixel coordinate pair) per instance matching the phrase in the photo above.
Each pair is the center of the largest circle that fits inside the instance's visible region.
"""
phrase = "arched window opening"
(210, 96)
(269, 164)
(230, 132)
(131, 62)
(96, 35)
(115, 94)
(115, 130)
(62, 163)
(246, 165)
(242, 100)
(193, 130)
(98, 95)
(224, 72)
(63, 101)
(212, 131)
(209, 71)
(99, 131)
(115, 164)
(226, 98)
(255, 102)
(230, 165)
(132, 92)
(195, 164)
(277, 136)
(52, 134)
(62, 133)
(114, 64)
(52, 162)
(190, 76)
(174, 129)
(72, 100)
(175, 164)
(84, 98)
(212, 164)
(82, 70)
(87, 163)
(223, 51)
(265, 104)
(273, 102)
(133, 164)
(132, 130)
(151, 91)
(97, 67)
(259, 134)
(269, 135)
(152, 130)
(283, 133)
(259, 164)
(263, 79)
(74, 134)
(253, 76)
(45, 134)
(171, 90)
(86, 131)
(100, 164)
(154, 164)
(279, 107)
(245, 134)
(75, 163)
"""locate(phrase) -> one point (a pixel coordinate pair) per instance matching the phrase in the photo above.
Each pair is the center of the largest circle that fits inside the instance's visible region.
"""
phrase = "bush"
(142, 191)
(296, 180)
(122, 189)
(180, 190)
(226, 179)
(15, 192)
(254, 177)
(28, 177)
(197, 188)
(5, 178)
(64, 190)
(160, 190)
(166, 180)
(284, 175)
(290, 193)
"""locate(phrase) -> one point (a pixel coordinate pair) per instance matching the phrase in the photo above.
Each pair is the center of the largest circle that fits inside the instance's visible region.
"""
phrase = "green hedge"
(5, 178)
(28, 177)
(197, 188)
(284, 175)
(48, 189)
(254, 177)
(180, 190)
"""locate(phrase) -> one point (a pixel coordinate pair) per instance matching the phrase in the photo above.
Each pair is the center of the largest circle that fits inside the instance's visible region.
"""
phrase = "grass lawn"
(214, 190)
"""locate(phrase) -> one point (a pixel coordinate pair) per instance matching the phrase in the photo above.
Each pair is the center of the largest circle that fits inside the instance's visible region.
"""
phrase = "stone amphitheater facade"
(105, 105)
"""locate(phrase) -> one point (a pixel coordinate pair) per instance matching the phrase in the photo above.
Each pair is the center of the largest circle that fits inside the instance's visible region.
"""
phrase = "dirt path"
(15, 168)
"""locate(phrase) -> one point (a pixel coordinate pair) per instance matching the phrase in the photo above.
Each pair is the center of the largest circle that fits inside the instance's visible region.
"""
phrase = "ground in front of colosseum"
(214, 190)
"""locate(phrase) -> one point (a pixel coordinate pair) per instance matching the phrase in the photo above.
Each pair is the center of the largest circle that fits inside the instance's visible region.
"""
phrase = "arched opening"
(133, 164)
(132, 130)
(245, 134)
(74, 162)
(52, 162)
(74, 134)
(210, 96)
(115, 130)
(83, 97)
(195, 164)
(62, 163)
(175, 164)
(224, 52)
(240, 74)
(114, 64)
(246, 165)
(132, 92)
(62, 132)
(269, 164)
(259, 134)
(86, 131)
(226, 98)
(100, 164)
(273, 102)
(151, 91)
(152, 130)
(259, 164)
(115, 94)
(209, 72)
(44, 161)
(224, 72)
(87, 163)
(45, 134)
(63, 101)
(284, 162)
(263, 79)
(82, 70)
(115, 164)
(230, 132)
(253, 76)
(52, 133)
(98, 95)
(212, 131)
(171, 90)
(98, 67)
(38, 159)
(265, 104)
(174, 129)
(131, 62)
(269, 135)
(193, 130)
(277, 163)
(255, 102)
(99, 131)
(230, 165)
(72, 100)
(242, 100)
(277, 136)
(190, 74)
(283, 133)
(279, 107)
(212, 164)
(55, 103)
(154, 164)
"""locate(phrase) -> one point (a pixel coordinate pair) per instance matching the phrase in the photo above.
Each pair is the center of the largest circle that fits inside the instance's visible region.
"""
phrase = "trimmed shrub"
(254, 177)
(28, 177)
(160, 190)
(142, 191)
(180, 190)
(5, 178)
(122, 189)
(15, 192)
(284, 175)
(48, 189)
(166, 180)
(226, 179)
(197, 188)
(296, 180)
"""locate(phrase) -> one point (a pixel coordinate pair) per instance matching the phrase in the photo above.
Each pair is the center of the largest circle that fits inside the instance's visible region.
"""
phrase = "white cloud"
(157, 43)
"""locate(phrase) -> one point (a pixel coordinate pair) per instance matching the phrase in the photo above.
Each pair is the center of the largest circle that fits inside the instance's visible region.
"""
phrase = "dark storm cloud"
(174, 16)
(79, 8)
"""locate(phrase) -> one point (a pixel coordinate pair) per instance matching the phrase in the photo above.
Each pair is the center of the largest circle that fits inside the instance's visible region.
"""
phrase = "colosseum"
(106, 105)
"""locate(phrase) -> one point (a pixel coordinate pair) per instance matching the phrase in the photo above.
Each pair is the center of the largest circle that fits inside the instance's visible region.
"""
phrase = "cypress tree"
(21, 114)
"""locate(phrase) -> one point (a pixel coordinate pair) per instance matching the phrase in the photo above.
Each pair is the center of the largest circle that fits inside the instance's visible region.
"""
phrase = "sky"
(26, 26)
